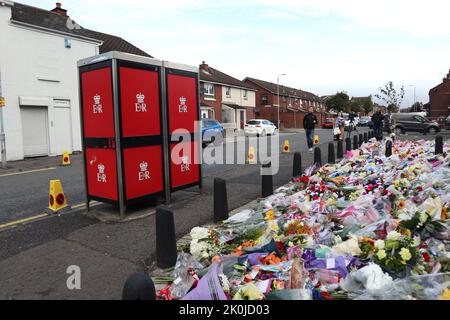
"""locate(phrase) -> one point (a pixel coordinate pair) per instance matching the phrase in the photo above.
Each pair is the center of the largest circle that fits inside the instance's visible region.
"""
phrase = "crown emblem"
(184, 159)
(101, 168)
(183, 100)
(140, 97)
(143, 166)
(97, 99)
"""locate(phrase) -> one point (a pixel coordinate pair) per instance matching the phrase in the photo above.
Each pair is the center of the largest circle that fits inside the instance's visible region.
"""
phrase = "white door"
(35, 131)
(63, 130)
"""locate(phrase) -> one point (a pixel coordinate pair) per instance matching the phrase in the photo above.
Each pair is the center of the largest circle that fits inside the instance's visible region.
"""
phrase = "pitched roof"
(284, 91)
(208, 73)
(51, 20)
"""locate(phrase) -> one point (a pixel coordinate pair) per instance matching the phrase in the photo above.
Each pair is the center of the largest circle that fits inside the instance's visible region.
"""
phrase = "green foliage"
(389, 95)
(339, 102)
(364, 105)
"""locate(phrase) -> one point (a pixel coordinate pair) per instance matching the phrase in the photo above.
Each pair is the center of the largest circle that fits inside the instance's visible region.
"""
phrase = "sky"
(323, 46)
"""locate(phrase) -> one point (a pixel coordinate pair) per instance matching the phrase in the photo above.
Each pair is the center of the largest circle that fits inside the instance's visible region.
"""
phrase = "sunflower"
(401, 204)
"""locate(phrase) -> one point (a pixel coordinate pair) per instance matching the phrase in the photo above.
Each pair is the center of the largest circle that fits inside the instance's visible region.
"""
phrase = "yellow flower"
(407, 233)
(445, 295)
(381, 254)
(401, 204)
(405, 254)
(444, 213)
(270, 215)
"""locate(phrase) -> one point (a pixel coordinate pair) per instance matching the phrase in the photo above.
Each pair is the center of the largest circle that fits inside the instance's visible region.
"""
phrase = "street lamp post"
(414, 105)
(278, 96)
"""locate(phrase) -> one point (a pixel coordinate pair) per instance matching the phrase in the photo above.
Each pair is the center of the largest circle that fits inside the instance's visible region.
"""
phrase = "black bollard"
(348, 144)
(331, 154)
(366, 138)
(166, 246)
(139, 286)
(297, 167)
(355, 142)
(340, 149)
(361, 139)
(220, 200)
(388, 148)
(266, 182)
(318, 156)
(438, 145)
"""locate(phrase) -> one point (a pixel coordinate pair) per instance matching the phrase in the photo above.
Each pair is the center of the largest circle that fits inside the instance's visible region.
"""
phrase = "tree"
(361, 104)
(338, 102)
(368, 105)
(390, 96)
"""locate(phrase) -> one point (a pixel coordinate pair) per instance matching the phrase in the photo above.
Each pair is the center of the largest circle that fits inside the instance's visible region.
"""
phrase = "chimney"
(204, 66)
(59, 10)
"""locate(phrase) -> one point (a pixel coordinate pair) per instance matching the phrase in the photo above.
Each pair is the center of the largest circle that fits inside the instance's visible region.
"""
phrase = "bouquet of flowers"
(204, 244)
(397, 253)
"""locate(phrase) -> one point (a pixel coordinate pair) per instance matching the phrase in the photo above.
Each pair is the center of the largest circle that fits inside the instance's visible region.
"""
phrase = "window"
(284, 98)
(228, 91)
(245, 94)
(209, 89)
(227, 115)
(264, 99)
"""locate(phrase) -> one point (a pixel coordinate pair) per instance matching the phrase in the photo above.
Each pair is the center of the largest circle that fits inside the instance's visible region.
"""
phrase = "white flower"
(199, 233)
(379, 244)
(199, 250)
(381, 254)
(405, 254)
(416, 241)
(423, 217)
(393, 235)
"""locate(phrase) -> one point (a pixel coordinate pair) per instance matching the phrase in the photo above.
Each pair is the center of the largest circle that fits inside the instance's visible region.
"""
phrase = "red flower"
(280, 246)
(426, 256)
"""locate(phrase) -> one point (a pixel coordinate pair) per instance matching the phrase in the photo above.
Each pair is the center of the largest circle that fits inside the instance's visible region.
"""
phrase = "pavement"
(34, 256)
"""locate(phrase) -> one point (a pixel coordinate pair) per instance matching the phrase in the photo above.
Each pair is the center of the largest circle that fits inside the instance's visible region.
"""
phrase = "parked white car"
(260, 127)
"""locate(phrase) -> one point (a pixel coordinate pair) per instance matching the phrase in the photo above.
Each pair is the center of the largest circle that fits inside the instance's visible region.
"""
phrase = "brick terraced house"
(440, 99)
(294, 103)
(226, 99)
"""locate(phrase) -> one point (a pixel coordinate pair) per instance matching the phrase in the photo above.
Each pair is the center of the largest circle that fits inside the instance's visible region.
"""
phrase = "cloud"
(323, 45)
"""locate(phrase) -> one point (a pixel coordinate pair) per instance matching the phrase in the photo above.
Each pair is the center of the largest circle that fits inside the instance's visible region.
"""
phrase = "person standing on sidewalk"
(309, 123)
(340, 124)
(377, 120)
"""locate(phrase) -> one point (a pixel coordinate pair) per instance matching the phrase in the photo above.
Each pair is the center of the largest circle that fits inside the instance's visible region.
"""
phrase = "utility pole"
(2, 130)
(278, 95)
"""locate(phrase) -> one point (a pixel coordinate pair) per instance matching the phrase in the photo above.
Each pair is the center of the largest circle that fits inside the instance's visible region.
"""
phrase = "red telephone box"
(130, 107)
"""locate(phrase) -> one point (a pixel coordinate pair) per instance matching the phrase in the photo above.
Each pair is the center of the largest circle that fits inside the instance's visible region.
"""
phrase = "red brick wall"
(217, 104)
(440, 99)
(286, 116)
(250, 113)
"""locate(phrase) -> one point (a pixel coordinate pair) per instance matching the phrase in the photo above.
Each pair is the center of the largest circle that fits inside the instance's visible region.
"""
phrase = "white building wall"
(28, 55)
(237, 97)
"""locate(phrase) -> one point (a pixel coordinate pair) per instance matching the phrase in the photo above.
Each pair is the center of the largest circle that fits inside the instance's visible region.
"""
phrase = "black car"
(447, 123)
(406, 122)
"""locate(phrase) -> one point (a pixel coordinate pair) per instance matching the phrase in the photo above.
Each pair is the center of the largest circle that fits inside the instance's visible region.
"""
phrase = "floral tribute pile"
(369, 227)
